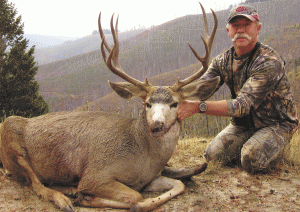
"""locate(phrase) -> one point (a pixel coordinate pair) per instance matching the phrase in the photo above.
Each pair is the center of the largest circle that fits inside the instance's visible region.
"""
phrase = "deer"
(105, 159)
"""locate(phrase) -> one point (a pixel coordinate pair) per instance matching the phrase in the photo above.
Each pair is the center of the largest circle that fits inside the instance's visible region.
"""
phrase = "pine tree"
(18, 89)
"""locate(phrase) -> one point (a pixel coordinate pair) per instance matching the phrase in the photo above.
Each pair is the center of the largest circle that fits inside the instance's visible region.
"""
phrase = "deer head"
(161, 101)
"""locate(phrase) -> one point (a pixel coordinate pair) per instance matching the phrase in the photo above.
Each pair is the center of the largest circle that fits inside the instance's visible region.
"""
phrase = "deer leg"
(183, 173)
(112, 195)
(160, 184)
(70, 191)
(47, 194)
(97, 202)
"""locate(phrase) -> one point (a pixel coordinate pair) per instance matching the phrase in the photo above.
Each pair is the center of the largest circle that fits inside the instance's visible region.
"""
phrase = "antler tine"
(114, 33)
(205, 22)
(102, 34)
(201, 59)
(213, 33)
(114, 55)
(208, 41)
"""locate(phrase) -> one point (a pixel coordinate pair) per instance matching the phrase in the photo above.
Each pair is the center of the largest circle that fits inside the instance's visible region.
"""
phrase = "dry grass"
(0, 143)
(190, 152)
(292, 150)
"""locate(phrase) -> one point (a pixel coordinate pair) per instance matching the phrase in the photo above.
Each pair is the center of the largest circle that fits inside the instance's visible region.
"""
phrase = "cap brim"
(250, 17)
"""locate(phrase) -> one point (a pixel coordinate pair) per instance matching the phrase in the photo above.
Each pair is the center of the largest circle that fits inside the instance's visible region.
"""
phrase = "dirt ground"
(219, 188)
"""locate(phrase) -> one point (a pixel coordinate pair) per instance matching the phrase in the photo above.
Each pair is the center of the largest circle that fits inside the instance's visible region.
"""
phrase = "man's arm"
(189, 108)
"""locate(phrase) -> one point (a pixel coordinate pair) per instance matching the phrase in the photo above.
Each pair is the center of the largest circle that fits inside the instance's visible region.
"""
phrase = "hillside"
(70, 83)
(70, 48)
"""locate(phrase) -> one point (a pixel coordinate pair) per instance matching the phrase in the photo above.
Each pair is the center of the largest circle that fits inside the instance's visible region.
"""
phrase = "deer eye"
(174, 105)
(148, 105)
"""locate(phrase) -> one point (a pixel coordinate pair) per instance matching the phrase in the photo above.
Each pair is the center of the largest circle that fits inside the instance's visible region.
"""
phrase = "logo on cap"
(241, 9)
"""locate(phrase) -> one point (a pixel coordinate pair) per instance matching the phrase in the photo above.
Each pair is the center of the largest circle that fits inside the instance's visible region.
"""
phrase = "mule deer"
(103, 158)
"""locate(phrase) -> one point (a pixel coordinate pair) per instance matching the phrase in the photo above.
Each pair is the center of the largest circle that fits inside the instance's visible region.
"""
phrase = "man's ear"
(126, 90)
(258, 29)
(201, 90)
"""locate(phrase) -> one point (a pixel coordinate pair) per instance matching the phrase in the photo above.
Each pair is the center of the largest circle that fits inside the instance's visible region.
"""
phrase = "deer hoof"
(200, 168)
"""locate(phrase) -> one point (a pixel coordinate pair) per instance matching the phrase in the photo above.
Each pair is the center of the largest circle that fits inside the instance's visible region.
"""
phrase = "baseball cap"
(243, 10)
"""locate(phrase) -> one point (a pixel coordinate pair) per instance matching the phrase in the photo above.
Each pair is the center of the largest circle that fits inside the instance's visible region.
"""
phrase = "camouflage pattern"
(263, 93)
(256, 149)
(264, 115)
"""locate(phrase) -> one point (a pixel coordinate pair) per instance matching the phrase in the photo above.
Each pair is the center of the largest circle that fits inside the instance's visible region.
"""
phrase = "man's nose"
(241, 29)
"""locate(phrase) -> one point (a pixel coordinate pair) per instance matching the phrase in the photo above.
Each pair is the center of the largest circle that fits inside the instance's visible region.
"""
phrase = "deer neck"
(162, 147)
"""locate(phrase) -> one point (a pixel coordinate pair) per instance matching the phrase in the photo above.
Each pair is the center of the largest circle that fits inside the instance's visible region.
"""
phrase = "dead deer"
(105, 159)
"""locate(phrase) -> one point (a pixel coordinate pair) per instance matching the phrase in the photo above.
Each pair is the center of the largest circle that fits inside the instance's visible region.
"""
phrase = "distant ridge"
(44, 41)
(52, 48)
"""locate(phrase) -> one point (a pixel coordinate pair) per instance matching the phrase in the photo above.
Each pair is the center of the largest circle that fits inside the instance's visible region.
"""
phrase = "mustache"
(241, 36)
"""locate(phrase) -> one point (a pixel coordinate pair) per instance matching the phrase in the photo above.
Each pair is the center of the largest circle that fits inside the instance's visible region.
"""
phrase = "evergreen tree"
(18, 89)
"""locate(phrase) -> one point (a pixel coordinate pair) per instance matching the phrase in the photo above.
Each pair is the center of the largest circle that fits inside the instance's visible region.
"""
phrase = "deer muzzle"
(157, 127)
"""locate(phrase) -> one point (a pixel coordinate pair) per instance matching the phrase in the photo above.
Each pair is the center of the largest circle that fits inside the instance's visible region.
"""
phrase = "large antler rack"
(208, 41)
(112, 62)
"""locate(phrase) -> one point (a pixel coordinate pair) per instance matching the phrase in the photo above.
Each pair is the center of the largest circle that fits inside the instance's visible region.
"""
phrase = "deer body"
(104, 159)
(61, 148)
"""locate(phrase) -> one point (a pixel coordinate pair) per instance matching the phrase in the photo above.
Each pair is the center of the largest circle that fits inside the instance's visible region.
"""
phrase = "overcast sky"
(73, 18)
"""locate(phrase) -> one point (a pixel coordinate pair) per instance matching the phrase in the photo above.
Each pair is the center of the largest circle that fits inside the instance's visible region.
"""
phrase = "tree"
(18, 89)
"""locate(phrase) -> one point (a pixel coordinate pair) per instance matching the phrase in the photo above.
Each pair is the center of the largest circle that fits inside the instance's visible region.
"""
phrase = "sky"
(75, 19)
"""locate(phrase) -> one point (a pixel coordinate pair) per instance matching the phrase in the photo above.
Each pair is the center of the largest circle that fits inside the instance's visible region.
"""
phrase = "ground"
(219, 188)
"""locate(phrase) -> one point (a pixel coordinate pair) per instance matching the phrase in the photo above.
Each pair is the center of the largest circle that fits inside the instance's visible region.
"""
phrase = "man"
(262, 107)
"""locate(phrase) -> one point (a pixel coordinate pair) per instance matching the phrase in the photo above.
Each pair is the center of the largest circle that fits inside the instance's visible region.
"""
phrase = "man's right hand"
(186, 109)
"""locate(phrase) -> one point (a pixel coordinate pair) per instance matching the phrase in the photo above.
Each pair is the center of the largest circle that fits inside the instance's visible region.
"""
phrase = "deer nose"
(157, 126)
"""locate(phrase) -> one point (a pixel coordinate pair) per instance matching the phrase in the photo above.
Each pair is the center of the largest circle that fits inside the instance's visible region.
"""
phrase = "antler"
(208, 41)
(114, 56)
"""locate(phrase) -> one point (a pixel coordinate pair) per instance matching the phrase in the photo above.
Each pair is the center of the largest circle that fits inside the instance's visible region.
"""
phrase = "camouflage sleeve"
(265, 73)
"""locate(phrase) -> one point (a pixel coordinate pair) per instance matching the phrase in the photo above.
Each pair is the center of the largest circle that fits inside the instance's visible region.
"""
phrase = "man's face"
(243, 32)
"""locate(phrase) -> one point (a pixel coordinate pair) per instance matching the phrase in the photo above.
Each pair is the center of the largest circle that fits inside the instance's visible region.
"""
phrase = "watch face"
(203, 107)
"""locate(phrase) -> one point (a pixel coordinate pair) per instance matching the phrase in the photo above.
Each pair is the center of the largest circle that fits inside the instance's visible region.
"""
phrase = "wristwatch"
(202, 107)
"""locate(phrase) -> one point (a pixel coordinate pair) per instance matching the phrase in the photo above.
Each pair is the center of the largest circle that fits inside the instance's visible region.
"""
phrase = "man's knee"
(263, 148)
(248, 159)
(209, 155)
(213, 150)
(254, 160)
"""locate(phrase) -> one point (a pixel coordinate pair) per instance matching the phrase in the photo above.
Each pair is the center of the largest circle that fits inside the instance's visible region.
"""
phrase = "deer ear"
(126, 90)
(201, 90)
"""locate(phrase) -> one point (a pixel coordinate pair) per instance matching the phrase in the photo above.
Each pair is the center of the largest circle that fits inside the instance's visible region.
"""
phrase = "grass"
(190, 151)
(292, 151)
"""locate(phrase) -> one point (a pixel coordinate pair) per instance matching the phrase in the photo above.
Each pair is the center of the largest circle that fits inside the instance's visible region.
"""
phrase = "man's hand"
(187, 109)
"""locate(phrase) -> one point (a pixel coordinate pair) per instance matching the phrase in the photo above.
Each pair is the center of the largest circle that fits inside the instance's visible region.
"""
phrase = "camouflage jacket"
(260, 88)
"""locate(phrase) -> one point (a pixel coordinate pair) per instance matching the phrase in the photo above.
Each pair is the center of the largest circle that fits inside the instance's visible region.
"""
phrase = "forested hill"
(70, 83)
